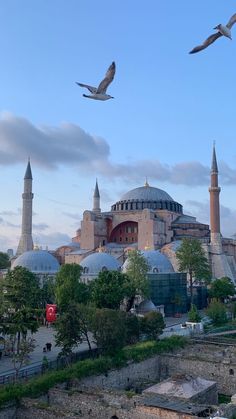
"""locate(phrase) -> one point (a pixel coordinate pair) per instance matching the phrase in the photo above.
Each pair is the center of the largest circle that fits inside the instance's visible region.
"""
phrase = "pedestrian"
(0, 354)
(48, 346)
(44, 349)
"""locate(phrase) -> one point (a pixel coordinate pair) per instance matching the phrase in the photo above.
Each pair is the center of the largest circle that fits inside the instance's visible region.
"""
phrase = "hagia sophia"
(145, 218)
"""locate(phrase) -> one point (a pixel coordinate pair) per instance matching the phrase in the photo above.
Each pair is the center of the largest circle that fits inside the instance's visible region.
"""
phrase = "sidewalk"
(42, 336)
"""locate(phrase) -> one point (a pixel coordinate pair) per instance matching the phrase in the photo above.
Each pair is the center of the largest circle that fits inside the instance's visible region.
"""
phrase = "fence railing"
(39, 368)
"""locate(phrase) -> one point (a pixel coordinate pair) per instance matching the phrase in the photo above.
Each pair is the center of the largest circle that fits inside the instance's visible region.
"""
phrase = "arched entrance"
(125, 233)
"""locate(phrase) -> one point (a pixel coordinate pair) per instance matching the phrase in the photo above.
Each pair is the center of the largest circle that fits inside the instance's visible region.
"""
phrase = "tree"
(193, 315)
(217, 313)
(137, 269)
(86, 313)
(132, 326)
(21, 301)
(192, 259)
(152, 324)
(4, 261)
(21, 358)
(222, 288)
(109, 289)
(177, 301)
(48, 292)
(68, 287)
(68, 331)
(108, 330)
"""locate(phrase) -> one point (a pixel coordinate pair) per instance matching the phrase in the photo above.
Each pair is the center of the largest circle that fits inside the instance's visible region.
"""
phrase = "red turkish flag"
(51, 312)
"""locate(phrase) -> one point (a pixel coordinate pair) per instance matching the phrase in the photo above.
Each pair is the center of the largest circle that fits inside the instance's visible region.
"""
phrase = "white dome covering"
(146, 193)
(99, 261)
(158, 263)
(38, 262)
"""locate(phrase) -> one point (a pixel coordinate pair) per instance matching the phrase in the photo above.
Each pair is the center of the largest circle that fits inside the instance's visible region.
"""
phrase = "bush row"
(88, 367)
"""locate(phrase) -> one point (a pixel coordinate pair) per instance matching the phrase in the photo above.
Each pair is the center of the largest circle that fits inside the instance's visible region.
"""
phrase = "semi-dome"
(158, 263)
(147, 197)
(99, 261)
(38, 262)
(146, 193)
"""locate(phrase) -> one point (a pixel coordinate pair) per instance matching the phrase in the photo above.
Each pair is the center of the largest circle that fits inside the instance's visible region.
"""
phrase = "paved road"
(43, 336)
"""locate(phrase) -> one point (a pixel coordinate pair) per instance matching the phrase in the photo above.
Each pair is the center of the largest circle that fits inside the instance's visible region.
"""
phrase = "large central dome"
(146, 197)
(146, 193)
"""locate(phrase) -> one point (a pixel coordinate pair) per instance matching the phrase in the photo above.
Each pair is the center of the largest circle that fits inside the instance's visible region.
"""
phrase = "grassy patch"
(88, 367)
(223, 399)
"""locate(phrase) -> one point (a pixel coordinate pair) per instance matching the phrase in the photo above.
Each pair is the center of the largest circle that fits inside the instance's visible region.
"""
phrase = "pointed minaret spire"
(28, 173)
(26, 241)
(215, 202)
(214, 167)
(96, 199)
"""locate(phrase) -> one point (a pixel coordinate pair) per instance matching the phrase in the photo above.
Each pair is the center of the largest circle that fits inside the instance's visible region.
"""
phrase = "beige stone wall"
(153, 227)
(76, 258)
(87, 230)
(160, 413)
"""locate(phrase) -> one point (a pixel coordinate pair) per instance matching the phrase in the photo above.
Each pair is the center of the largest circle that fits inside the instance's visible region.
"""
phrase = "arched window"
(155, 270)
(86, 270)
(104, 269)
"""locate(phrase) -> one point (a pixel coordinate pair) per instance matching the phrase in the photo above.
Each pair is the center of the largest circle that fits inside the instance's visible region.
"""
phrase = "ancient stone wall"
(130, 376)
(221, 372)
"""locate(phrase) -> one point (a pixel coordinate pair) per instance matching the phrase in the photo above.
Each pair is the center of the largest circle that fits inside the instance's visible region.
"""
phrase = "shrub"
(217, 313)
(88, 367)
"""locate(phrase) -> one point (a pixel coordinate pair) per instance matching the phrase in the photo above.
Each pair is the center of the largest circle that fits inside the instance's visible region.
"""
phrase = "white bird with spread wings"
(99, 93)
(222, 31)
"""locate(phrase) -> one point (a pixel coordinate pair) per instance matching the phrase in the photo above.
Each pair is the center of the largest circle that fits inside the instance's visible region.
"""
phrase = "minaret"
(96, 199)
(26, 241)
(215, 203)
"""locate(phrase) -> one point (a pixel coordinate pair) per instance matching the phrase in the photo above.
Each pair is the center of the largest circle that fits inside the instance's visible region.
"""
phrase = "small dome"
(99, 261)
(145, 307)
(146, 193)
(158, 263)
(38, 262)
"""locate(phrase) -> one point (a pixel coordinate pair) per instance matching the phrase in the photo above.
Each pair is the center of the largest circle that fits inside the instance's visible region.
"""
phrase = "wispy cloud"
(69, 145)
(8, 224)
(74, 216)
(52, 240)
(11, 213)
(40, 227)
(201, 210)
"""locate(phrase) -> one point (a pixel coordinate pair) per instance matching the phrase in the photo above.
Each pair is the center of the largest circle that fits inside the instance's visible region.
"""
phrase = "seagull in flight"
(99, 93)
(222, 31)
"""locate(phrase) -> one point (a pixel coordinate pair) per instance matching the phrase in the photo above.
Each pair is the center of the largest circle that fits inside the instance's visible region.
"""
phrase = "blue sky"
(169, 106)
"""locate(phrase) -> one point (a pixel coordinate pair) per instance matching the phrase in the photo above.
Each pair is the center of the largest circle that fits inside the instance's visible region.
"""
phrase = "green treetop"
(21, 302)
(109, 289)
(222, 288)
(68, 287)
(193, 315)
(191, 258)
(4, 261)
(137, 269)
